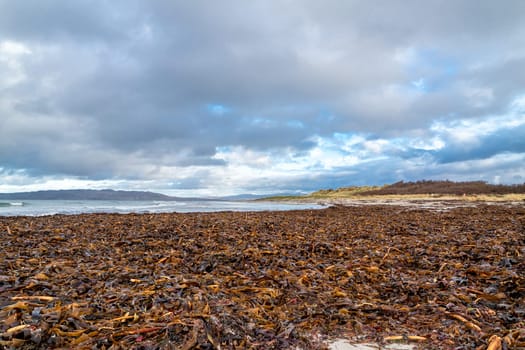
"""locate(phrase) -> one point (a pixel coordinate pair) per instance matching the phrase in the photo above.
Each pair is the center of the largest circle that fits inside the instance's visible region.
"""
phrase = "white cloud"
(240, 156)
(428, 144)
(376, 146)
(471, 130)
(11, 66)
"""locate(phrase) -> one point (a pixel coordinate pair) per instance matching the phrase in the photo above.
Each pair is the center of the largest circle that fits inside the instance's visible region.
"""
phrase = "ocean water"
(51, 207)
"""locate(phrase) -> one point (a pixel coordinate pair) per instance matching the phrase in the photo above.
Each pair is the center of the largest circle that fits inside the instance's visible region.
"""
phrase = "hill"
(445, 188)
(470, 190)
(88, 195)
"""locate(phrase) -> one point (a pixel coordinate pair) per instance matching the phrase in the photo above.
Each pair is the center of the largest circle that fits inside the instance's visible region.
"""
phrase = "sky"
(226, 97)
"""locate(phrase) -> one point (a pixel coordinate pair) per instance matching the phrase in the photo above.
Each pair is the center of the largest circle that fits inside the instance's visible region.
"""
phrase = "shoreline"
(369, 274)
(417, 202)
(513, 197)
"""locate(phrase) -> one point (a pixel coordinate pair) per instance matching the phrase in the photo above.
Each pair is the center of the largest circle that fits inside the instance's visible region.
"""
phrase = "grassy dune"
(334, 195)
(421, 190)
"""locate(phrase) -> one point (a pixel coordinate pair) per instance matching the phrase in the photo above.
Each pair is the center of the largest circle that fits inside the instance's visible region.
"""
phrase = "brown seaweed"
(268, 280)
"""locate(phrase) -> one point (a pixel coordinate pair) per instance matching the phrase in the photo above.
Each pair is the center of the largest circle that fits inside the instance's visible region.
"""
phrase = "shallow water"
(50, 207)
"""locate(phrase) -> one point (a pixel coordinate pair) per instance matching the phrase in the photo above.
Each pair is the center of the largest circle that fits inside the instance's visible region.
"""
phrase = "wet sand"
(376, 274)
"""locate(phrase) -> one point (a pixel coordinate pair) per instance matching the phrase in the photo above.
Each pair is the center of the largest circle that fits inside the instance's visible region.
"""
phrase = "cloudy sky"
(226, 97)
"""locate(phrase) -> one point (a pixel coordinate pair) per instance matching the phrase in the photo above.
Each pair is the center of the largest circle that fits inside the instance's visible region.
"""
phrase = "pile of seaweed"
(265, 280)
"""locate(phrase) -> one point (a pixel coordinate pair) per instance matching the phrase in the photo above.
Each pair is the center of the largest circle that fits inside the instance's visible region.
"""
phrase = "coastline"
(71, 207)
(441, 202)
(369, 274)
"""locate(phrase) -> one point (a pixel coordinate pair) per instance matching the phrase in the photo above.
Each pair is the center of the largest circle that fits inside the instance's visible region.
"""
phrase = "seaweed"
(265, 280)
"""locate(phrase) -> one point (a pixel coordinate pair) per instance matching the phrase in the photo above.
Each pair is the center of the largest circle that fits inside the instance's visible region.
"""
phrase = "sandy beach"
(376, 274)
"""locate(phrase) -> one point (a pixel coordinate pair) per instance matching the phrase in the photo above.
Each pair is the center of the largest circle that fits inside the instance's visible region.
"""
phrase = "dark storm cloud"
(49, 21)
(506, 140)
(127, 85)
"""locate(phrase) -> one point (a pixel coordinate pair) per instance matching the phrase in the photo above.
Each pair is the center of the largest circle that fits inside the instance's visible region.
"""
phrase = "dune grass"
(356, 193)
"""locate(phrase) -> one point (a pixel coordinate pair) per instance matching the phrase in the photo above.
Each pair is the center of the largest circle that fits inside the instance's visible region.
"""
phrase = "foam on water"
(9, 204)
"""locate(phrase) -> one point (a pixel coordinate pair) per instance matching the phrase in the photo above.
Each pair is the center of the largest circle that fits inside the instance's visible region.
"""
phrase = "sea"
(52, 207)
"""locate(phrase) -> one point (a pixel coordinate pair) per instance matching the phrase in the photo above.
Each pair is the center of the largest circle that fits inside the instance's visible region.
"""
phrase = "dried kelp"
(270, 280)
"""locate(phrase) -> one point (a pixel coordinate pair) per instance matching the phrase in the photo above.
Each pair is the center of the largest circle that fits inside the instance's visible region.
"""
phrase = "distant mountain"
(115, 195)
(90, 195)
(250, 196)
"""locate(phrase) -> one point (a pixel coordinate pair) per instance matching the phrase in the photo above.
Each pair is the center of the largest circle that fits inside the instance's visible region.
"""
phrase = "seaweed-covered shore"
(265, 280)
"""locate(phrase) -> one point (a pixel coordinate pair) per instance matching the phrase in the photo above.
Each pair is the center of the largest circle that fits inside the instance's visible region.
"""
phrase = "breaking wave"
(11, 204)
